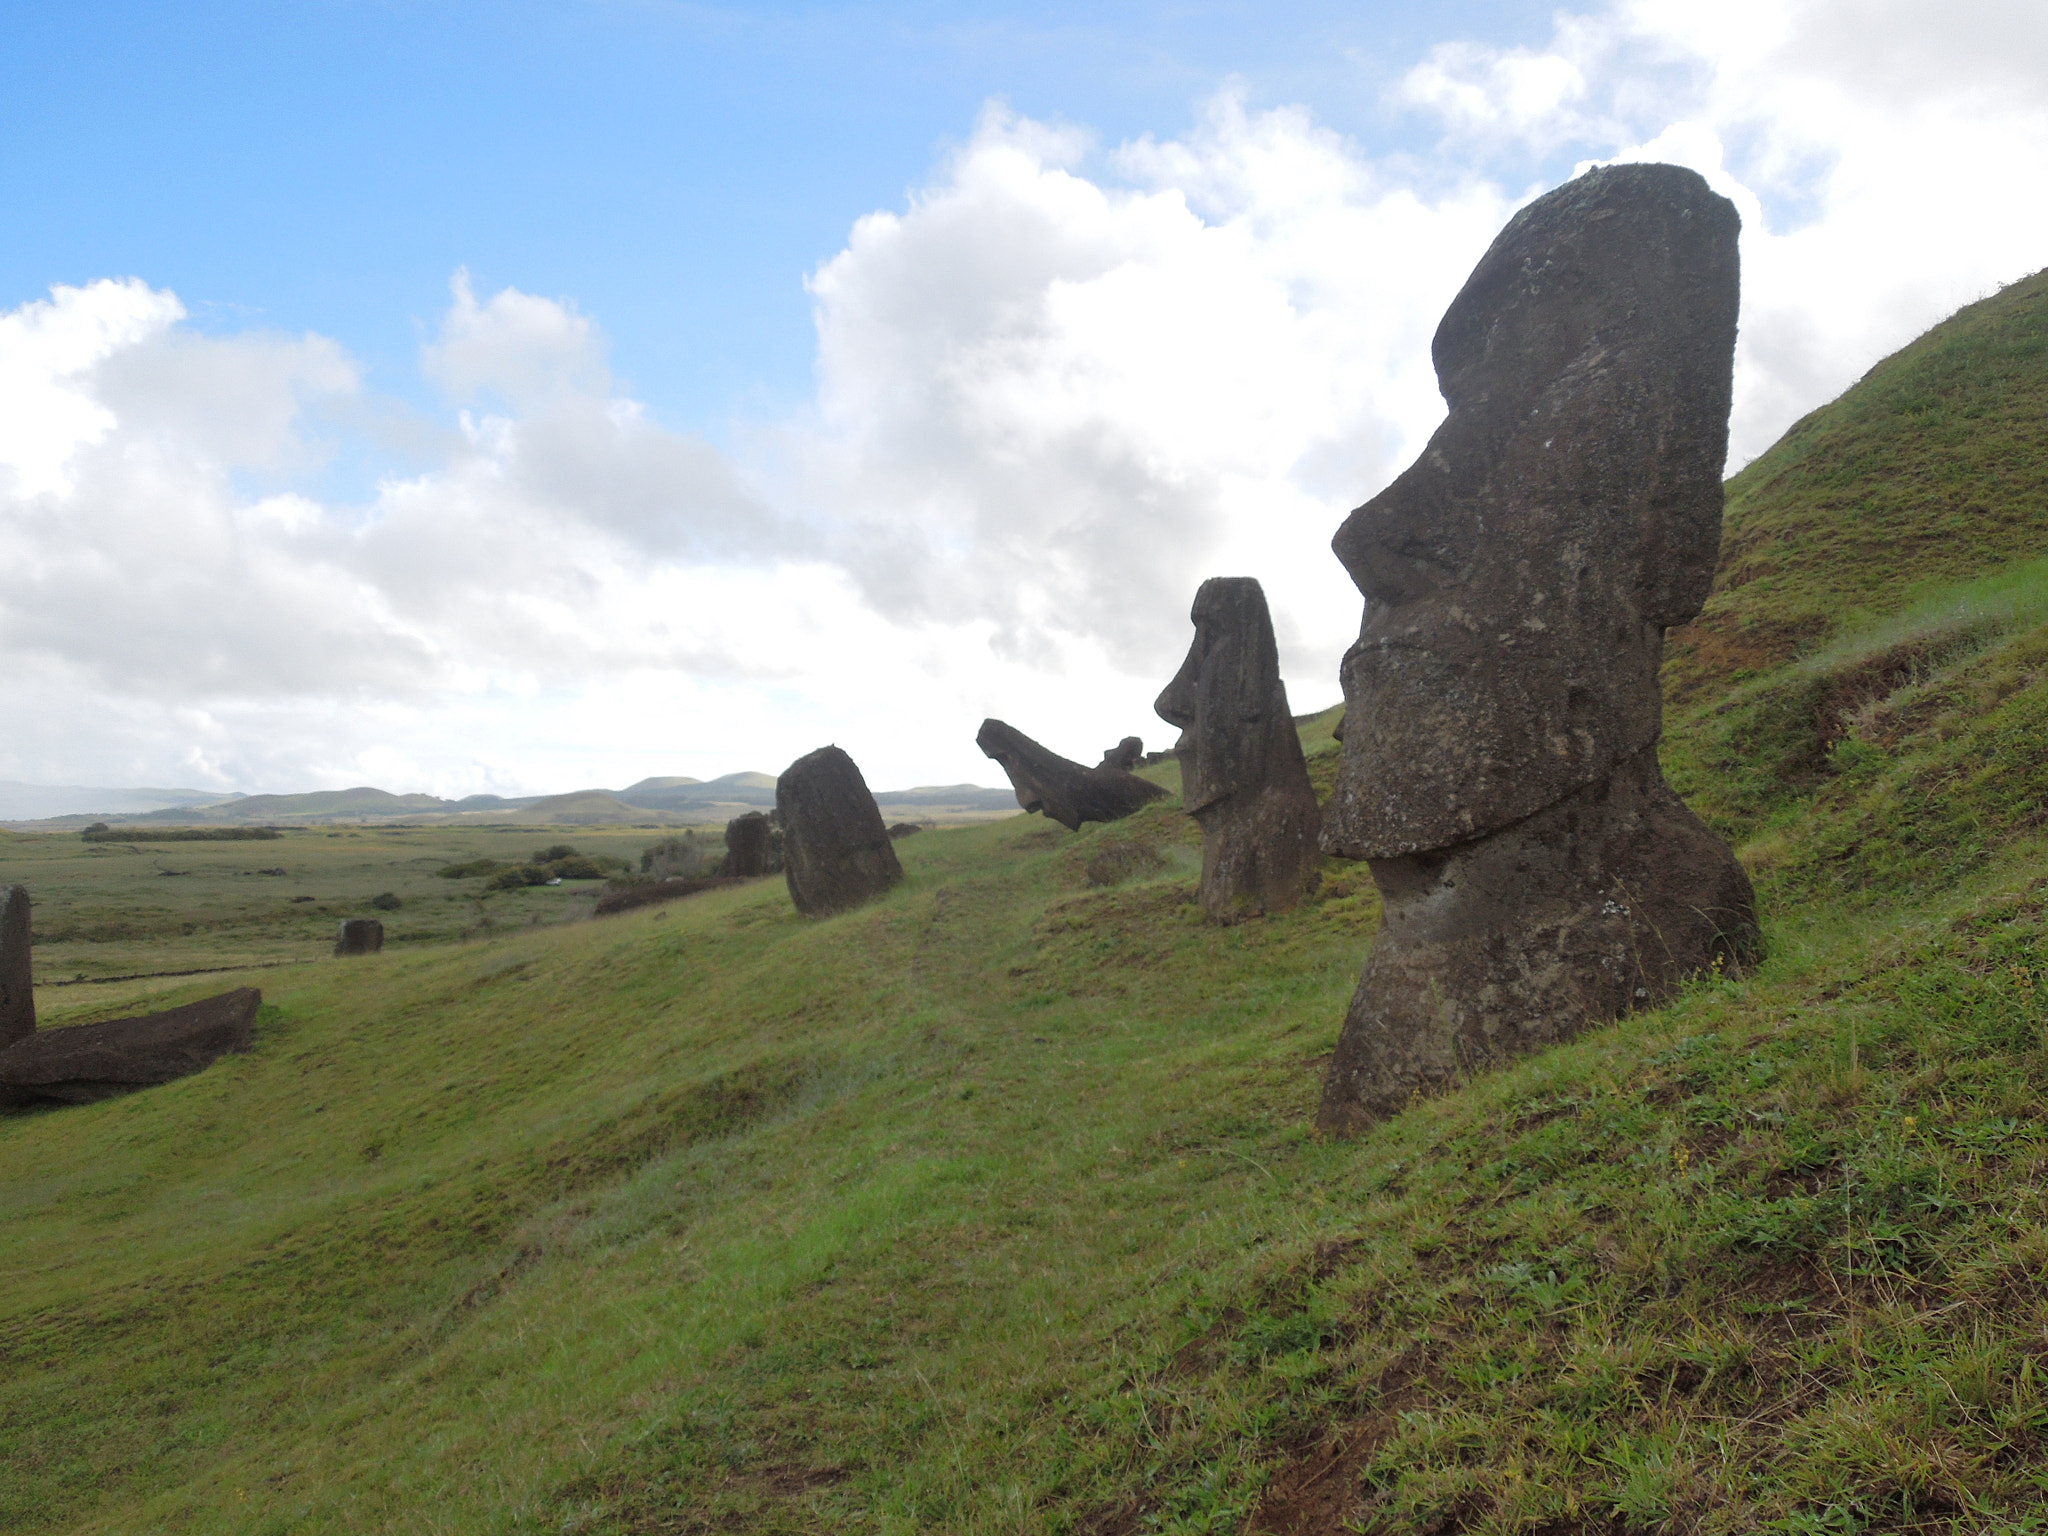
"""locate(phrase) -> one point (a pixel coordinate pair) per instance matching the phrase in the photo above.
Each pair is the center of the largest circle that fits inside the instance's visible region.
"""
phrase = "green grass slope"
(1933, 469)
(993, 1207)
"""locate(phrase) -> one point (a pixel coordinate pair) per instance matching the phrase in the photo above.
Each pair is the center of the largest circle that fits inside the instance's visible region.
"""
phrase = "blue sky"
(677, 169)
(517, 397)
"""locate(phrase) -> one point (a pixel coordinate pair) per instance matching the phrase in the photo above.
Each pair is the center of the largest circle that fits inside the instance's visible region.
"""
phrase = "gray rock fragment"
(359, 936)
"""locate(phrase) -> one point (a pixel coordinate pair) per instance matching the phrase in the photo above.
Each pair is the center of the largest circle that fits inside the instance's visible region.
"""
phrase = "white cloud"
(1057, 388)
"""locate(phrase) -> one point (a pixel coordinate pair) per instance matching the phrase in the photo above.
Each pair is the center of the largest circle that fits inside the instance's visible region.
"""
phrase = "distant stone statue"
(17, 974)
(85, 1062)
(1064, 790)
(836, 853)
(746, 845)
(1124, 756)
(1502, 707)
(1243, 777)
(359, 936)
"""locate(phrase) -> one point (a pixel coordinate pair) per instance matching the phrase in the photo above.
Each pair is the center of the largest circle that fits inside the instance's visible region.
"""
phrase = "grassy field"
(993, 1206)
(106, 910)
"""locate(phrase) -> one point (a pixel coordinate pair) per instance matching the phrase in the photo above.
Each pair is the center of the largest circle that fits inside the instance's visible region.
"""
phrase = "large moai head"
(1228, 696)
(1519, 576)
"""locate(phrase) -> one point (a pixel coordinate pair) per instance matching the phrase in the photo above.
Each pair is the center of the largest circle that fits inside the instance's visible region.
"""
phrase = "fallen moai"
(1124, 756)
(652, 892)
(1243, 777)
(746, 845)
(361, 936)
(836, 852)
(1064, 790)
(17, 974)
(84, 1062)
(1499, 763)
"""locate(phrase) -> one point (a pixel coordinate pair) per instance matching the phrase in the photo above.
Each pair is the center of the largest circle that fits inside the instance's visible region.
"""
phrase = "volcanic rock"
(17, 975)
(84, 1062)
(835, 851)
(1502, 707)
(1124, 756)
(1064, 790)
(359, 936)
(746, 845)
(1243, 777)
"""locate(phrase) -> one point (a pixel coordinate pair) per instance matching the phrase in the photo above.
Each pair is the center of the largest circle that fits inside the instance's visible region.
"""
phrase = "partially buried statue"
(1243, 777)
(1063, 789)
(84, 1062)
(746, 845)
(1502, 702)
(836, 852)
(17, 977)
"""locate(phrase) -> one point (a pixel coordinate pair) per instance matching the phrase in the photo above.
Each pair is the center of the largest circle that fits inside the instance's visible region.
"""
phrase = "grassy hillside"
(993, 1207)
(1931, 471)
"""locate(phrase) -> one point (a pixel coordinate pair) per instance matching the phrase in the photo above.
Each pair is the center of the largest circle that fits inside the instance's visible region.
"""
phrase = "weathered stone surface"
(17, 973)
(1124, 756)
(1501, 705)
(1505, 944)
(359, 936)
(746, 845)
(1064, 790)
(1519, 575)
(1243, 777)
(835, 851)
(84, 1062)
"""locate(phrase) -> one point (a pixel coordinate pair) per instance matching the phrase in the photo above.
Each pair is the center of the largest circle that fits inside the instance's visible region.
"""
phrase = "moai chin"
(836, 852)
(1243, 777)
(1502, 705)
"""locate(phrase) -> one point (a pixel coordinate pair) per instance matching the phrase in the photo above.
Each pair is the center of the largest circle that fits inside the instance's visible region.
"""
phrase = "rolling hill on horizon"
(663, 798)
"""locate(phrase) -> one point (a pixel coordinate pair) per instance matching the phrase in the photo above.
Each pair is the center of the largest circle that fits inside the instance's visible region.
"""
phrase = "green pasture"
(111, 909)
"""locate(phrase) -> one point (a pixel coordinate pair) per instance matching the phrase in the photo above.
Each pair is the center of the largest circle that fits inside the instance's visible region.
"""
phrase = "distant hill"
(655, 800)
(32, 802)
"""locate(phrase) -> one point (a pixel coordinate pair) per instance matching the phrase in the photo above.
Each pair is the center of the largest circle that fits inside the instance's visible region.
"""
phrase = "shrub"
(470, 869)
(386, 901)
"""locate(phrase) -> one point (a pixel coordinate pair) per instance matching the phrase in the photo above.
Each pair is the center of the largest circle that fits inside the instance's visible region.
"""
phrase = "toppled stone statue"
(836, 853)
(1124, 756)
(359, 936)
(1502, 707)
(1243, 777)
(746, 845)
(1064, 790)
(17, 975)
(902, 829)
(85, 1062)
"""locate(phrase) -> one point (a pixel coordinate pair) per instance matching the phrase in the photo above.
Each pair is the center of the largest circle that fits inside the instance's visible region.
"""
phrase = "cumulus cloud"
(1060, 385)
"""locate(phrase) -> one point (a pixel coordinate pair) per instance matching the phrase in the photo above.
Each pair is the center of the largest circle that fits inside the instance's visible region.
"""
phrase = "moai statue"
(1502, 706)
(1243, 777)
(1125, 755)
(1063, 789)
(746, 845)
(836, 853)
(17, 974)
(86, 1062)
(359, 936)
